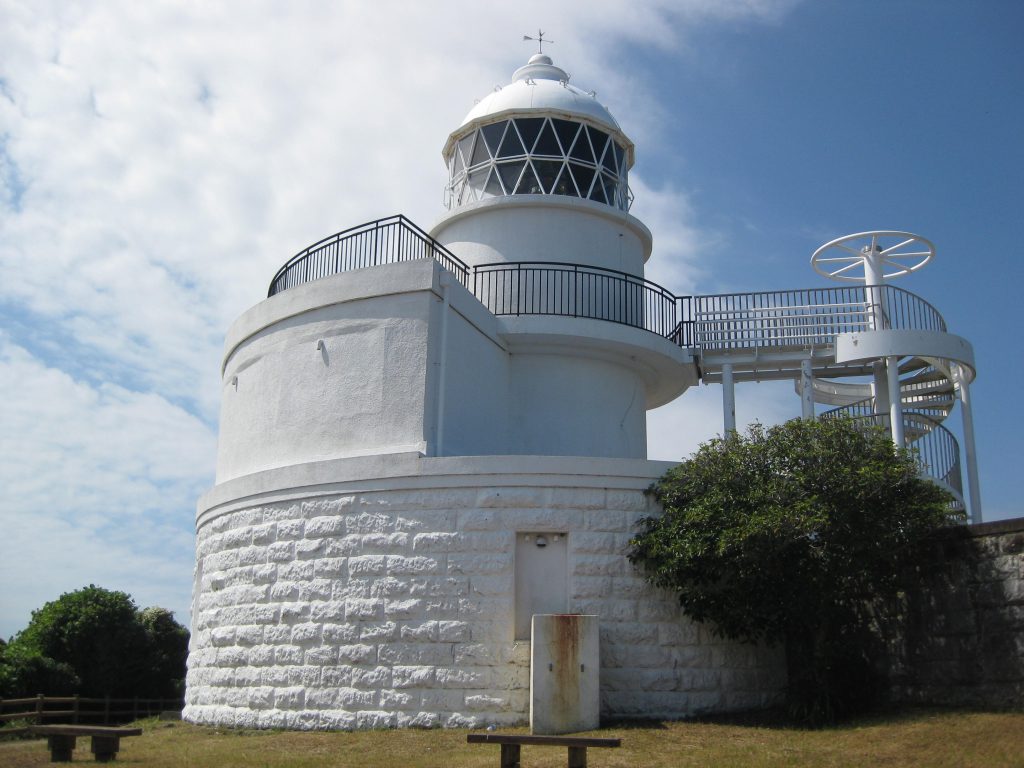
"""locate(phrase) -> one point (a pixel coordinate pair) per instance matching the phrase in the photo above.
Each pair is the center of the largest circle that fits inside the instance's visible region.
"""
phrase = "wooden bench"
(510, 745)
(61, 740)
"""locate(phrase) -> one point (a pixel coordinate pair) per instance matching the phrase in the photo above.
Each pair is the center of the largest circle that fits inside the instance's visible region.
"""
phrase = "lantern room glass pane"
(581, 149)
(493, 186)
(610, 186)
(528, 184)
(584, 176)
(529, 127)
(564, 184)
(492, 135)
(480, 153)
(547, 144)
(566, 134)
(510, 173)
(511, 146)
(547, 172)
(599, 140)
(476, 182)
(464, 149)
(604, 158)
(617, 152)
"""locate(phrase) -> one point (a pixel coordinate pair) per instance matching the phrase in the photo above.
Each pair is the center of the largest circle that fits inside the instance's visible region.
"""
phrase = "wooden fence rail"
(78, 709)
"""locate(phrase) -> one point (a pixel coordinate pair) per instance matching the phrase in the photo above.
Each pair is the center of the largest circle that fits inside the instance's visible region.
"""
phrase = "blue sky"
(159, 162)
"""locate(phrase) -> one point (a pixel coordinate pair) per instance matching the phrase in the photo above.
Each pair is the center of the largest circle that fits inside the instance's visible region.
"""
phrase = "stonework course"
(394, 608)
(961, 642)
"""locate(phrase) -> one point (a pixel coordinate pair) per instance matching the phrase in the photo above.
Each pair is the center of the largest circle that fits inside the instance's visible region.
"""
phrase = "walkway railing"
(803, 317)
(800, 318)
(573, 290)
(385, 241)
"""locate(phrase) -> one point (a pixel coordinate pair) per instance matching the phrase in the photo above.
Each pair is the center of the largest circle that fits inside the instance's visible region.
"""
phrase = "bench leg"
(61, 748)
(105, 748)
(509, 756)
(577, 757)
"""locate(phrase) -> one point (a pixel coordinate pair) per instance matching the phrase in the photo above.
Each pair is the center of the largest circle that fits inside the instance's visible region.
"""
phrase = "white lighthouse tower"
(427, 439)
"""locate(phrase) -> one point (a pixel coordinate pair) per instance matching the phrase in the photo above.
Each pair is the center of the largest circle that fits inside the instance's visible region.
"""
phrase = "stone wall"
(394, 607)
(962, 642)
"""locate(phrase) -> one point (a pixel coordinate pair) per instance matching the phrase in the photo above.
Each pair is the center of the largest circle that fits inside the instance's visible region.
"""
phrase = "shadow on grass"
(777, 719)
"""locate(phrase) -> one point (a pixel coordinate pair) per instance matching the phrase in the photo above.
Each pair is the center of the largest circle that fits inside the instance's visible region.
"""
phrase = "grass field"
(932, 739)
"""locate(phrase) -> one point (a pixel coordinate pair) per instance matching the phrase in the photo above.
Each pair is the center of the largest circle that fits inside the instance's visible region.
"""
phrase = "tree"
(96, 642)
(794, 534)
(169, 651)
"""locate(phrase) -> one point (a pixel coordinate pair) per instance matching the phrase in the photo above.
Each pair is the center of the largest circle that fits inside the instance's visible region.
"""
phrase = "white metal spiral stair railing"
(798, 335)
(923, 413)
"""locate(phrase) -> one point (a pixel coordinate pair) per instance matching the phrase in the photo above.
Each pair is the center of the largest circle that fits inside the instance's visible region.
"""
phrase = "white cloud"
(159, 161)
(95, 483)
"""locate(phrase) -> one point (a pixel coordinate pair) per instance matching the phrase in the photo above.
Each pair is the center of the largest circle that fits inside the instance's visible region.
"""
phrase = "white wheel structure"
(872, 257)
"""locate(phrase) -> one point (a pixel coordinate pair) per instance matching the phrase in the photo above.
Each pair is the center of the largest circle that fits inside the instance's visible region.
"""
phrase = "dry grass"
(935, 739)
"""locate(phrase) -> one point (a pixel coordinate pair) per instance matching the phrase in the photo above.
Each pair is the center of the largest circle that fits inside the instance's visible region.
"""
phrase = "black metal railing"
(385, 241)
(575, 290)
(793, 318)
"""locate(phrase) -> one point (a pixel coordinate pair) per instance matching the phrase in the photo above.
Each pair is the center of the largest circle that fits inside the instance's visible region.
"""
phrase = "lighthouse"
(429, 437)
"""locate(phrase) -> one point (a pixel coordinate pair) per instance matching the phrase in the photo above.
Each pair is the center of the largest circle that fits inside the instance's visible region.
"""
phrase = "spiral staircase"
(908, 370)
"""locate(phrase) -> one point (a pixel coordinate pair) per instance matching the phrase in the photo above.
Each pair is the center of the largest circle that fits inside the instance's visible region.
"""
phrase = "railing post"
(40, 700)
(519, 287)
(74, 708)
(106, 710)
(576, 285)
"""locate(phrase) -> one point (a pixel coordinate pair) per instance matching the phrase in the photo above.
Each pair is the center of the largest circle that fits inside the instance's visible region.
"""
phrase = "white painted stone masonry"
(379, 602)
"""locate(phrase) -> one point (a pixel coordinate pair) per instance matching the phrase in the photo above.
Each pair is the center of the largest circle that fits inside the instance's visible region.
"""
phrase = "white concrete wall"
(351, 365)
(378, 592)
(566, 403)
(546, 228)
(476, 390)
(284, 401)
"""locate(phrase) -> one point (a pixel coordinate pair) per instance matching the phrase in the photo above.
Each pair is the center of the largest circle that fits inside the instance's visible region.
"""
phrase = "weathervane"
(540, 40)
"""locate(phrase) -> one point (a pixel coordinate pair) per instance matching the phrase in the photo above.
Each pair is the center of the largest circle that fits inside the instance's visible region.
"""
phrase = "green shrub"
(790, 534)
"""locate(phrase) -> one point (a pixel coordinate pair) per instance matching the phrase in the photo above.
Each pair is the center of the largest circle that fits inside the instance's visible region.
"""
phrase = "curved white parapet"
(545, 228)
(382, 591)
(877, 345)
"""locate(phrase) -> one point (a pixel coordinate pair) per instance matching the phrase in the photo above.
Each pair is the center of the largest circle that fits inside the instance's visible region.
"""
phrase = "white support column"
(728, 399)
(806, 391)
(971, 458)
(895, 405)
(880, 391)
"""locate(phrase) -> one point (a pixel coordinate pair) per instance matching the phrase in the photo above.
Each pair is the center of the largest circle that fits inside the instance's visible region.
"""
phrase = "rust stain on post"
(566, 655)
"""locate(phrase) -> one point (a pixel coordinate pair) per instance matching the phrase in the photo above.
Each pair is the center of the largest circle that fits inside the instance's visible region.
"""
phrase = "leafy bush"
(792, 534)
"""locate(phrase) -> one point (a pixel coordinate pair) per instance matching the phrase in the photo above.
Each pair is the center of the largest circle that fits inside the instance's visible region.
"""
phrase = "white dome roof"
(540, 87)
